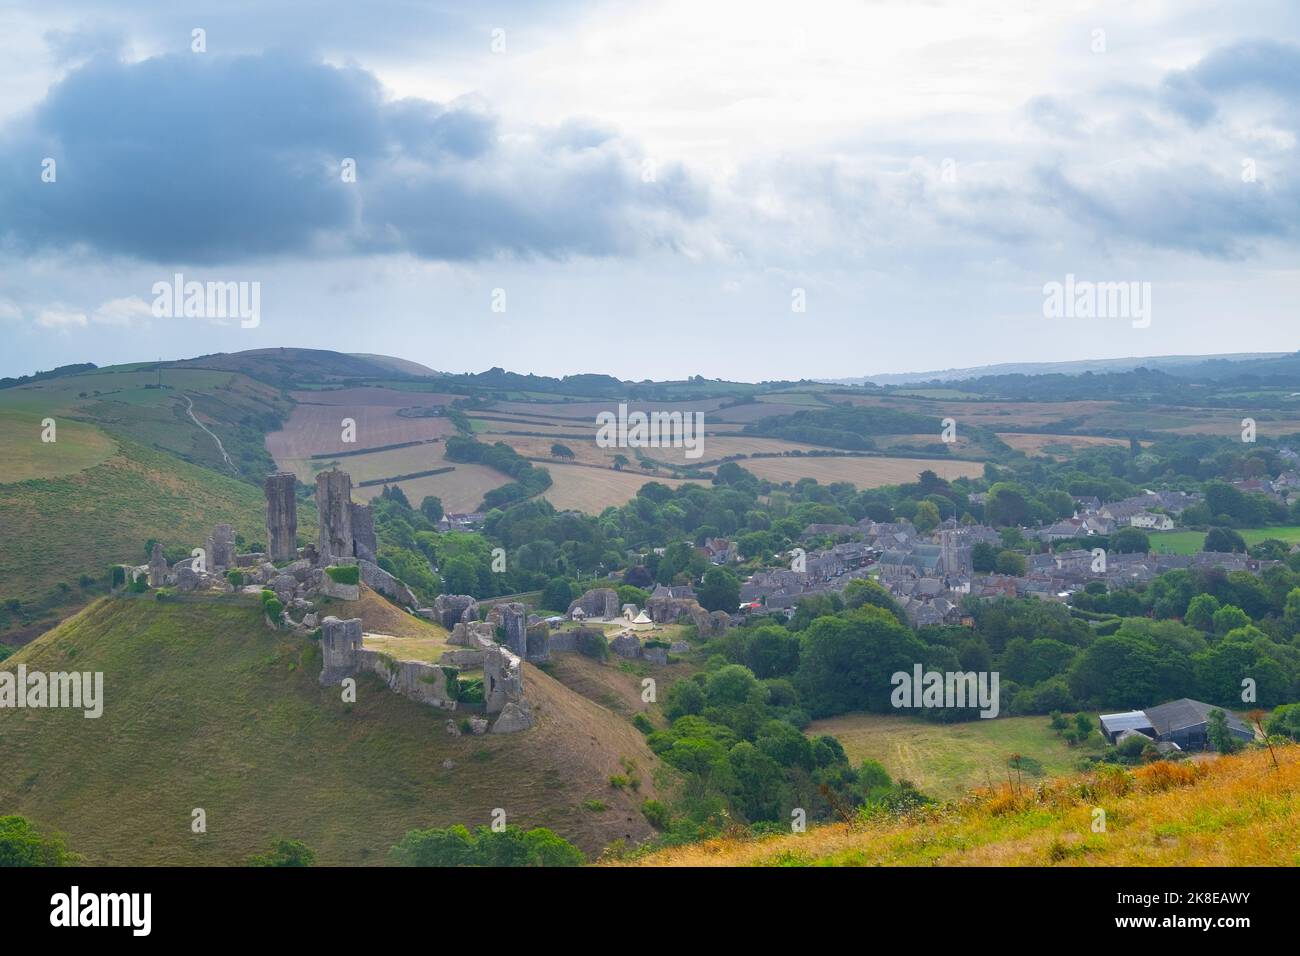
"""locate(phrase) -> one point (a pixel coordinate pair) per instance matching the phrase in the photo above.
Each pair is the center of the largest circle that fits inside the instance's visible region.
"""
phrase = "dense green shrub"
(344, 573)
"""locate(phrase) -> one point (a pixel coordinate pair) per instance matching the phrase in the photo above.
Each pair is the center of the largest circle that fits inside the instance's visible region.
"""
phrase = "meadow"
(946, 760)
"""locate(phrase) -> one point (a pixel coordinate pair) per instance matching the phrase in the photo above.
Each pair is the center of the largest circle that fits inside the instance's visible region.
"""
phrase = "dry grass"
(317, 429)
(1227, 811)
(861, 472)
(579, 488)
(206, 707)
(1034, 444)
(76, 447)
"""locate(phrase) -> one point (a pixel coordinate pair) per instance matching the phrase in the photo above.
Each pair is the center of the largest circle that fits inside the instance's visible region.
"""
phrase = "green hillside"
(205, 707)
(60, 529)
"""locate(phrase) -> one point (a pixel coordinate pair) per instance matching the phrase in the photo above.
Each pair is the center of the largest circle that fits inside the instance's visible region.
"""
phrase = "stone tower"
(281, 516)
(334, 506)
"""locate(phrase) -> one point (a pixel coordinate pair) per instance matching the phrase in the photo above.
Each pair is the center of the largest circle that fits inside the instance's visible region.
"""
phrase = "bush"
(344, 573)
(592, 644)
(656, 814)
(285, 853)
(236, 578)
(456, 846)
(642, 723)
(22, 845)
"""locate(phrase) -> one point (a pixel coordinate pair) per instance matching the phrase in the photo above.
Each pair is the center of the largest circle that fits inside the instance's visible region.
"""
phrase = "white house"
(1151, 520)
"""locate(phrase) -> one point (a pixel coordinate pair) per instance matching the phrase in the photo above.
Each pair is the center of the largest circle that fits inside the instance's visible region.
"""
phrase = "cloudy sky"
(651, 190)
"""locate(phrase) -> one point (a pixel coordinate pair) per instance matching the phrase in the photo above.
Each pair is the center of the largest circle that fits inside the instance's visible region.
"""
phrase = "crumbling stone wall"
(598, 603)
(340, 644)
(222, 554)
(452, 609)
(334, 506)
(364, 543)
(281, 516)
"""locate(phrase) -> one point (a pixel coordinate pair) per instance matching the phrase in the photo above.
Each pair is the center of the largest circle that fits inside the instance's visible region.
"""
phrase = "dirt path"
(220, 447)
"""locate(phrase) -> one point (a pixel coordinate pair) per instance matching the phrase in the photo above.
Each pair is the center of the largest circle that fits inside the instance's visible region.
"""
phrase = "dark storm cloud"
(207, 158)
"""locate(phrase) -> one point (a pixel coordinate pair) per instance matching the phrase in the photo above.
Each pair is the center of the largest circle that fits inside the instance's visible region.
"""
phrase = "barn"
(1184, 722)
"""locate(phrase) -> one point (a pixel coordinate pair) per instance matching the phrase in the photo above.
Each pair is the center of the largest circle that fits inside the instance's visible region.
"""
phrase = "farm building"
(1184, 722)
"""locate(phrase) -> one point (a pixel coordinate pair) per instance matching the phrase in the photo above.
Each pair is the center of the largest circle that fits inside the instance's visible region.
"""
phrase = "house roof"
(1127, 720)
(1185, 712)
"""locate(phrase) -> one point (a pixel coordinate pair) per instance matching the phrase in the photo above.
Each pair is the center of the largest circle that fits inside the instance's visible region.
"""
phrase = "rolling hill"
(205, 707)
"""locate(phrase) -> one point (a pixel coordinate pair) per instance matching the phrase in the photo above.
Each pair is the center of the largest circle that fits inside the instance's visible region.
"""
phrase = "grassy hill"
(206, 707)
(76, 522)
(1228, 811)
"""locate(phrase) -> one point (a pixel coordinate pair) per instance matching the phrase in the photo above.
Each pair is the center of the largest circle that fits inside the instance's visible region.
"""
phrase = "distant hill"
(205, 707)
(291, 367)
(404, 366)
(1168, 363)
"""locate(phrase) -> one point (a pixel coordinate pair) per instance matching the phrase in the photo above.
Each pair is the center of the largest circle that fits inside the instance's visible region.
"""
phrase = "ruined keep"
(222, 554)
(334, 508)
(281, 516)
(365, 544)
(157, 567)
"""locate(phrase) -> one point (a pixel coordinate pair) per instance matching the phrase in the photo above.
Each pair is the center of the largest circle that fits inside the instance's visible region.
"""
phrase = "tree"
(720, 591)
(1224, 539)
(1011, 562)
(1228, 618)
(395, 493)
(556, 595)
(562, 451)
(431, 508)
(927, 517)
(1200, 611)
(846, 662)
(1130, 541)
(984, 557)
(1220, 736)
(620, 462)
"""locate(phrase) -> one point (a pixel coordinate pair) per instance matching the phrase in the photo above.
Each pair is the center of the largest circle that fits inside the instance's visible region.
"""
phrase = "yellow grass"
(1034, 444)
(1225, 811)
(579, 488)
(861, 472)
(711, 448)
(75, 448)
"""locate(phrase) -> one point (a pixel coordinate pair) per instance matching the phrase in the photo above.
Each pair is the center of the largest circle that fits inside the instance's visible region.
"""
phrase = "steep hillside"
(207, 708)
(1228, 811)
(73, 524)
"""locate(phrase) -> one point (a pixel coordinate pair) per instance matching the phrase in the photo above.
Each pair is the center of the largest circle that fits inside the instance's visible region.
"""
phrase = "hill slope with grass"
(205, 707)
(1227, 811)
(74, 523)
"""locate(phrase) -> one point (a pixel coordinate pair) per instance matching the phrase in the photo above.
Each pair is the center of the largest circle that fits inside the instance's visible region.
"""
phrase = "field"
(946, 760)
(711, 448)
(579, 488)
(1189, 542)
(205, 707)
(77, 446)
(1227, 811)
(1035, 444)
(318, 430)
(861, 472)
